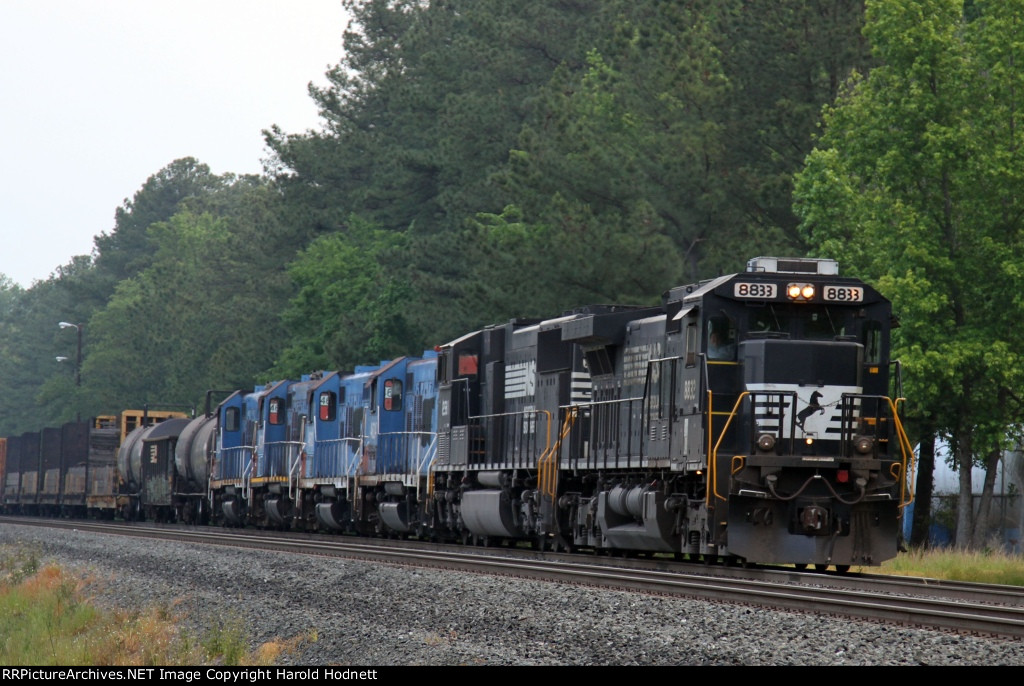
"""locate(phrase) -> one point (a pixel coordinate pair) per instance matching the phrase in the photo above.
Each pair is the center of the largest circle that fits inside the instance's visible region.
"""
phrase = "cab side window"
(721, 339)
(232, 418)
(872, 342)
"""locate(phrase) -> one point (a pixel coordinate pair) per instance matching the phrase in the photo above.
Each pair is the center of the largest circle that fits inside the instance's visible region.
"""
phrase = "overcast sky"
(98, 95)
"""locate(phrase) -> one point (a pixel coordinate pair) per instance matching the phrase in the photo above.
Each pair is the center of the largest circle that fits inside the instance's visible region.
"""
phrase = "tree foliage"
(127, 249)
(915, 183)
(558, 152)
(350, 309)
(204, 312)
(477, 160)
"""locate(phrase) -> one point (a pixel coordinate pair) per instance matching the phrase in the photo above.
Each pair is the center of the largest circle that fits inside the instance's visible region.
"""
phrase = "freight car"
(747, 417)
(70, 471)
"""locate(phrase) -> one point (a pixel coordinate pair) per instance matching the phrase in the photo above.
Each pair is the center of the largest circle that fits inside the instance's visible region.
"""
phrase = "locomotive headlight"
(800, 291)
(863, 444)
(765, 442)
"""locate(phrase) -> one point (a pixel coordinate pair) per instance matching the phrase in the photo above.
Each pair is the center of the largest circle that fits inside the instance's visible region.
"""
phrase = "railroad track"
(979, 609)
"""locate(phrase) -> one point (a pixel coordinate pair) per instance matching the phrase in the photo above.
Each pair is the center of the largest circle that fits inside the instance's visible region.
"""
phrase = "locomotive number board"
(842, 294)
(768, 291)
(759, 291)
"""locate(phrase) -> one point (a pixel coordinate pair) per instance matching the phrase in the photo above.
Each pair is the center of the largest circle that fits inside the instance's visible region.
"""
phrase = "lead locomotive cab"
(805, 451)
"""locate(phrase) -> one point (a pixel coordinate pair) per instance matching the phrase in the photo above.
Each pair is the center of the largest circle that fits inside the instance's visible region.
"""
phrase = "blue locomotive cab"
(408, 453)
(273, 451)
(382, 460)
(420, 415)
(324, 429)
(282, 501)
(385, 444)
(282, 412)
(235, 422)
(234, 458)
(331, 454)
(338, 425)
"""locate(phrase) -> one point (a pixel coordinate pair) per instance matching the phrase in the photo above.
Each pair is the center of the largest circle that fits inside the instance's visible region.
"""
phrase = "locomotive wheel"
(820, 568)
(842, 569)
(800, 566)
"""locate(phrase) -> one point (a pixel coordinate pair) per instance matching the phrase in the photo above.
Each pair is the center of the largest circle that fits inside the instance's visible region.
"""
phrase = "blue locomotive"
(747, 417)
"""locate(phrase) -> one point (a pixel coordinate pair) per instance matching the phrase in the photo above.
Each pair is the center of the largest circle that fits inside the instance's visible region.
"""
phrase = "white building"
(1007, 515)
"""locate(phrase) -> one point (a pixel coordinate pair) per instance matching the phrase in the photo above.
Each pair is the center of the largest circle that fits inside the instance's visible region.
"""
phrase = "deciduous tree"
(916, 185)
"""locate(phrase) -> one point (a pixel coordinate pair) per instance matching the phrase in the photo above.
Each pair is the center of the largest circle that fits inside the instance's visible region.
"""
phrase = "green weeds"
(986, 566)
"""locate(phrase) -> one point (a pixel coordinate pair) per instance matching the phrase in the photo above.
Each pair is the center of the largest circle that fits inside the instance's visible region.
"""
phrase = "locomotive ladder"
(547, 464)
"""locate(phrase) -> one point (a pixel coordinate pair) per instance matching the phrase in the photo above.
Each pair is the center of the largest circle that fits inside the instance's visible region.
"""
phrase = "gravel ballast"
(358, 613)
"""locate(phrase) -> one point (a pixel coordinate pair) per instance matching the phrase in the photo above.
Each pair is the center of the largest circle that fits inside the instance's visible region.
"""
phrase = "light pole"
(78, 358)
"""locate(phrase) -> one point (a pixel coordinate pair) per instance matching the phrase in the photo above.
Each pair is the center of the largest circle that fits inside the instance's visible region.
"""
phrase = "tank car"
(151, 486)
(193, 454)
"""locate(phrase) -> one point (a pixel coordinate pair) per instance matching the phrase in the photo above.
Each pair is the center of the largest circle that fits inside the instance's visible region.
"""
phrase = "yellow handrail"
(542, 465)
(712, 456)
(737, 464)
(547, 467)
(908, 454)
